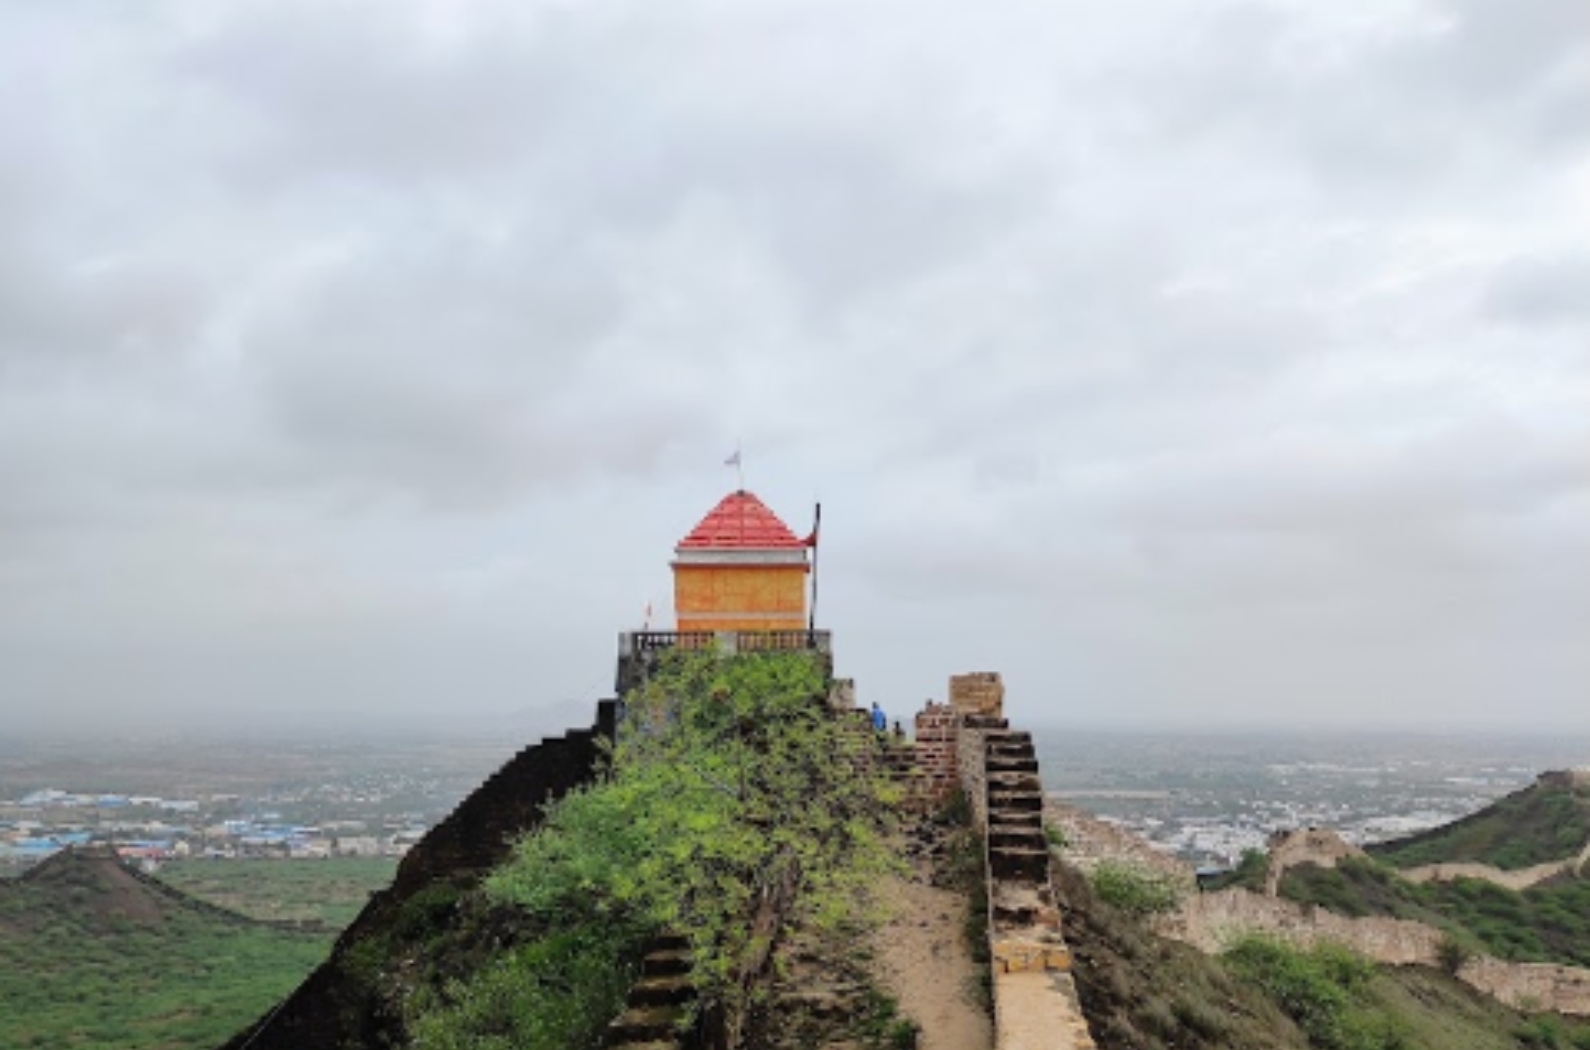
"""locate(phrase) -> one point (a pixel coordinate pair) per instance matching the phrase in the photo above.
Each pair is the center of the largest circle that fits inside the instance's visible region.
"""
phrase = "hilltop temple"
(741, 569)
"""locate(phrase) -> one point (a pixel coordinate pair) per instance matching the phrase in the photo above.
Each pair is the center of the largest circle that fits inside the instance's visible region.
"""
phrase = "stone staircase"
(1018, 852)
(1035, 999)
(657, 1001)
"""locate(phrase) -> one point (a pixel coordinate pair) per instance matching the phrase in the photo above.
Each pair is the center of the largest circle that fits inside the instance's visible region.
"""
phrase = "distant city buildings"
(44, 821)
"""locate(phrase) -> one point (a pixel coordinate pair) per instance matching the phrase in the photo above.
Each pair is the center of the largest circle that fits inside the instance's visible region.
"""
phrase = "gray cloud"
(1225, 360)
(1542, 290)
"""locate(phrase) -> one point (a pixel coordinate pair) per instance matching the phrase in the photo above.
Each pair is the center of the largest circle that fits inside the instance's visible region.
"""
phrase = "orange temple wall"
(740, 597)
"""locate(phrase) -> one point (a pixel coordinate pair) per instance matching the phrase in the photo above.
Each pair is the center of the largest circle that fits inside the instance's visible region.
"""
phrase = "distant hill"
(1509, 880)
(1547, 821)
(98, 893)
(97, 956)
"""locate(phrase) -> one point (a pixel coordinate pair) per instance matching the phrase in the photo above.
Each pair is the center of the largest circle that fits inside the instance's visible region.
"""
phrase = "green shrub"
(1135, 889)
(1451, 954)
(882, 1027)
(555, 994)
(1323, 988)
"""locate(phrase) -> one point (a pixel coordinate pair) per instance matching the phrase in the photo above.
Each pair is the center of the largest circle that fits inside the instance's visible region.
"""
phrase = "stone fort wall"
(1210, 921)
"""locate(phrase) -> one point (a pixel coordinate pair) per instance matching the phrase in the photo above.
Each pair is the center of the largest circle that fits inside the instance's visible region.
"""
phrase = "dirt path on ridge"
(923, 962)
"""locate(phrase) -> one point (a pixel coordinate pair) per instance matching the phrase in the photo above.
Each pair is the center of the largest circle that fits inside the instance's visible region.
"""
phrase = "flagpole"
(817, 524)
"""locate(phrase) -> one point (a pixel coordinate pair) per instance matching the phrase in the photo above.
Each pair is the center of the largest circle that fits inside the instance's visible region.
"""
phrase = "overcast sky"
(1215, 363)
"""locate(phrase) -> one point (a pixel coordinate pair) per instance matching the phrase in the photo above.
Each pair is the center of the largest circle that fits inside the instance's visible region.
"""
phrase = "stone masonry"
(979, 693)
(1035, 1000)
(936, 730)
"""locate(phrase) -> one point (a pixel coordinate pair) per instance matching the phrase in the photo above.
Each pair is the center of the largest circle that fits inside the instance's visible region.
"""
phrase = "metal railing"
(635, 643)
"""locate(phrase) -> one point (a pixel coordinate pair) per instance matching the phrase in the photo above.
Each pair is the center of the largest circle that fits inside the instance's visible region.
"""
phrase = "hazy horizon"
(523, 726)
(1206, 364)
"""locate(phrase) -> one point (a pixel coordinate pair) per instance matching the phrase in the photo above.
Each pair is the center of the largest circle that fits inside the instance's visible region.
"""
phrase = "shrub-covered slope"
(1547, 821)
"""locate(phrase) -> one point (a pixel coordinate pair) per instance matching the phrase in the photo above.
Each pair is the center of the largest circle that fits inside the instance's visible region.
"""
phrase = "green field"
(186, 984)
(92, 958)
(329, 891)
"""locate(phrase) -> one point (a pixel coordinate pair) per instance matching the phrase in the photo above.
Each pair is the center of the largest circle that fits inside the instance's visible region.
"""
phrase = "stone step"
(643, 1023)
(1004, 836)
(1029, 865)
(1009, 736)
(1014, 782)
(1017, 904)
(1023, 818)
(668, 942)
(986, 723)
(1011, 764)
(673, 990)
(1001, 801)
(665, 963)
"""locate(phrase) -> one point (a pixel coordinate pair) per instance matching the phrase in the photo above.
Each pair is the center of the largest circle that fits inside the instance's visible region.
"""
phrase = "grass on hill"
(92, 958)
(1547, 821)
(329, 891)
(1545, 923)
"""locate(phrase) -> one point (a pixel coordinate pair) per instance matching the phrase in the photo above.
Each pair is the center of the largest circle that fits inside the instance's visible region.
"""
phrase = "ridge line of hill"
(105, 858)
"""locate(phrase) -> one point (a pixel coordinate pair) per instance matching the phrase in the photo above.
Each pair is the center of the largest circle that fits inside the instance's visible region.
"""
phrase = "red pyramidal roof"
(740, 521)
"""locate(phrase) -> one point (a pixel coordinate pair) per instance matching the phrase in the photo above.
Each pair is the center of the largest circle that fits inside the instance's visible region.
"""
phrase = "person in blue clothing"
(879, 722)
